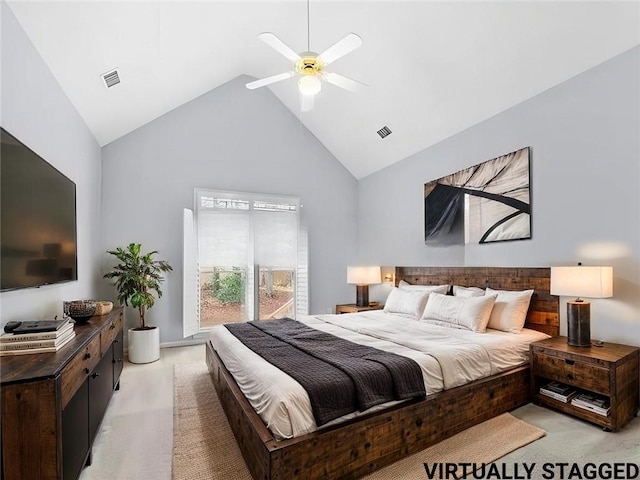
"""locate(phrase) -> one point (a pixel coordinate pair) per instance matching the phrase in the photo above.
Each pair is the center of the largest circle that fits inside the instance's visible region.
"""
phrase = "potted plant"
(138, 276)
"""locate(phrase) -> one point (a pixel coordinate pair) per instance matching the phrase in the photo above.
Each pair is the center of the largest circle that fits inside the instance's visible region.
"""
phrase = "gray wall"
(585, 167)
(585, 177)
(36, 111)
(230, 138)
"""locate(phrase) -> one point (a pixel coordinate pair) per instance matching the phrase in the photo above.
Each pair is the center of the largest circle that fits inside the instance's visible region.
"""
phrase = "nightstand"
(353, 308)
(610, 370)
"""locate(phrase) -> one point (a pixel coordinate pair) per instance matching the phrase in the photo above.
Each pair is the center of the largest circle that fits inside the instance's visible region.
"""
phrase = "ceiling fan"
(310, 66)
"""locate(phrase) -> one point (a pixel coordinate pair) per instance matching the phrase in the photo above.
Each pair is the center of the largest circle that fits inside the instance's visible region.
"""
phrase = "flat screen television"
(37, 219)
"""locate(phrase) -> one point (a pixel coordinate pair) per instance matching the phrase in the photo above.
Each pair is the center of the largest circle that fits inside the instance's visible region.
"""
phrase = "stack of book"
(559, 391)
(592, 402)
(25, 342)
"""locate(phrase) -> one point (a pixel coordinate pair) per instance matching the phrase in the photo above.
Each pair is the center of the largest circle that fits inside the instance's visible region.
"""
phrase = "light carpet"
(204, 446)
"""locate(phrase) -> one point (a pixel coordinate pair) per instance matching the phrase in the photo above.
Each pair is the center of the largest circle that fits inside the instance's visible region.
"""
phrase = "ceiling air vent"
(111, 78)
(384, 131)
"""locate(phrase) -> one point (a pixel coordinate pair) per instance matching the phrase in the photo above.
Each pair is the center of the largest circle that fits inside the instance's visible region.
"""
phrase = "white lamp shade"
(581, 281)
(363, 275)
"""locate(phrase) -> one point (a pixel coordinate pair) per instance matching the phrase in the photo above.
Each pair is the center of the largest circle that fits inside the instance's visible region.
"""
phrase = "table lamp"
(581, 281)
(362, 277)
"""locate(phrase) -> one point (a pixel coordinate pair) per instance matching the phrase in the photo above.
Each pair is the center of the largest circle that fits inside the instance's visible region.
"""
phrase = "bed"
(357, 445)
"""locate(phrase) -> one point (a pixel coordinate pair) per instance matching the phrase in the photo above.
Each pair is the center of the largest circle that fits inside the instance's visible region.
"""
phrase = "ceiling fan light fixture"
(310, 66)
(309, 85)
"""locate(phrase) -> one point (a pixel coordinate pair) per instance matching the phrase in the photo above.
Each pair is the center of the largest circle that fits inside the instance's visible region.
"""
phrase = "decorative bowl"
(103, 307)
(80, 310)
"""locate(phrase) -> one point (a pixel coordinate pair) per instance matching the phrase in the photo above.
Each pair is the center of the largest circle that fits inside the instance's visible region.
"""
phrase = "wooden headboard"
(543, 309)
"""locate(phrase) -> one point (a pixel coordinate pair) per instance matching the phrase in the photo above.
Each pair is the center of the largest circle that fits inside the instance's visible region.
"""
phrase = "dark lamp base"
(362, 295)
(579, 324)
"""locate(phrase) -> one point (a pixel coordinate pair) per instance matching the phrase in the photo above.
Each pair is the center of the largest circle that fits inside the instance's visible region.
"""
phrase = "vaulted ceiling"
(432, 68)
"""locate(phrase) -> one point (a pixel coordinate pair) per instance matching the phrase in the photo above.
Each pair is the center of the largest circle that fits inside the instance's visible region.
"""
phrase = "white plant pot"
(144, 345)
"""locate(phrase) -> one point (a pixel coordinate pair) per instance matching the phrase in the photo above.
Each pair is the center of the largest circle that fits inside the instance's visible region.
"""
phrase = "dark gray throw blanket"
(340, 376)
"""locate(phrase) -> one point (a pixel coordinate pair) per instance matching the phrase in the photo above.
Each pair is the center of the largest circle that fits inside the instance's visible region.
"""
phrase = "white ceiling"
(433, 68)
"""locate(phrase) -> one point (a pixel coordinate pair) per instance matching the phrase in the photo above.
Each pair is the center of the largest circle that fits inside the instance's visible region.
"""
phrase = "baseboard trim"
(183, 343)
(180, 343)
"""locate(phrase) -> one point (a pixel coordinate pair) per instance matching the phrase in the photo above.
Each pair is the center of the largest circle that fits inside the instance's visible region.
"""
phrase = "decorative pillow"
(406, 302)
(424, 288)
(470, 313)
(459, 291)
(510, 311)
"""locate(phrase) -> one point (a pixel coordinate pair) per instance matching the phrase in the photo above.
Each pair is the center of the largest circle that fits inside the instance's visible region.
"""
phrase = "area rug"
(204, 446)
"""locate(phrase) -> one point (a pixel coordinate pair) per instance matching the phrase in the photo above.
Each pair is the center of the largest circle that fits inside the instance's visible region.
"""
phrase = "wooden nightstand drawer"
(76, 371)
(572, 372)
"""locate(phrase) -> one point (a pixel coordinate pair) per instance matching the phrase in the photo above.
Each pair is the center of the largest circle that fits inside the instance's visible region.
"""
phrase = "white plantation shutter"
(302, 275)
(190, 277)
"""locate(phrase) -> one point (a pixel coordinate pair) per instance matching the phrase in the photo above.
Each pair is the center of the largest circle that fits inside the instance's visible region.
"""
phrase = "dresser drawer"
(573, 372)
(77, 370)
(109, 333)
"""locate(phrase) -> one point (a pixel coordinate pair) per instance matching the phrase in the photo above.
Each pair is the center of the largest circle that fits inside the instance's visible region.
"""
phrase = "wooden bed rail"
(365, 444)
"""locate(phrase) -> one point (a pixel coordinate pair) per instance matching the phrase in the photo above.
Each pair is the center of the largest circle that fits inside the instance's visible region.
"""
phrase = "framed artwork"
(486, 203)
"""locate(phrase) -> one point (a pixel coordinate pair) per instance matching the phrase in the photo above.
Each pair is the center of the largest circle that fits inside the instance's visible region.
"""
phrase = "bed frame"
(359, 446)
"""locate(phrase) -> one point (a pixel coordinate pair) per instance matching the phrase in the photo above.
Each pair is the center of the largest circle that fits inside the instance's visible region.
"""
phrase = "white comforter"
(448, 358)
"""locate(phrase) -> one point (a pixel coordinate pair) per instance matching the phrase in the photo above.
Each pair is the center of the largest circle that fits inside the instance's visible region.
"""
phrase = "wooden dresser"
(53, 403)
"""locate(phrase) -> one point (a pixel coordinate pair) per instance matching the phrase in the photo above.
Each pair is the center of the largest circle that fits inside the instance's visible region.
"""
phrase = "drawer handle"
(569, 362)
(86, 371)
(112, 326)
(87, 356)
(116, 341)
(95, 375)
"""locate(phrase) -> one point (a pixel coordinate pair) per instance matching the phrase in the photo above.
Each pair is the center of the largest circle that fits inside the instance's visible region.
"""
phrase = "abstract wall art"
(489, 202)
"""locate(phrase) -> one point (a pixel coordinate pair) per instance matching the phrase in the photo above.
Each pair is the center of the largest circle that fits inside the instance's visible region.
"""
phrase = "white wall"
(230, 138)
(585, 177)
(35, 110)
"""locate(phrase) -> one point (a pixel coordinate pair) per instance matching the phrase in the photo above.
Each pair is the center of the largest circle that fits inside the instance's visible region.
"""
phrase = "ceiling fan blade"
(278, 45)
(269, 80)
(306, 102)
(344, 82)
(339, 49)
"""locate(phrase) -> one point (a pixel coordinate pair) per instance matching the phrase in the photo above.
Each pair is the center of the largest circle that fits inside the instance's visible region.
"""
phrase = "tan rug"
(204, 446)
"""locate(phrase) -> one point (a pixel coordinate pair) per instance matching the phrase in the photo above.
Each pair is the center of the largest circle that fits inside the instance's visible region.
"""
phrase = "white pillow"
(406, 302)
(470, 313)
(510, 311)
(424, 288)
(459, 291)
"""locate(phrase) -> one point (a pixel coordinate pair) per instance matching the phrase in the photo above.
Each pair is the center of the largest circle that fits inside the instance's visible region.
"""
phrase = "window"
(250, 258)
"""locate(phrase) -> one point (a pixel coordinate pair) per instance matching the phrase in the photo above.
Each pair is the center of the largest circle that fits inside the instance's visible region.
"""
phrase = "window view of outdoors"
(223, 295)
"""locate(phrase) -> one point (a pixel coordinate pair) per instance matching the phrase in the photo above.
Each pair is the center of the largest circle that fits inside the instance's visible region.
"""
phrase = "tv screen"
(37, 219)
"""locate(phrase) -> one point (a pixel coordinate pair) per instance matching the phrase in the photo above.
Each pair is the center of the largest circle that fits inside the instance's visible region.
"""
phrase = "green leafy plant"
(214, 282)
(231, 288)
(138, 276)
